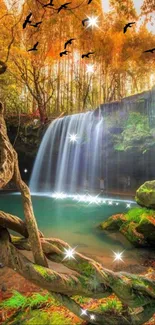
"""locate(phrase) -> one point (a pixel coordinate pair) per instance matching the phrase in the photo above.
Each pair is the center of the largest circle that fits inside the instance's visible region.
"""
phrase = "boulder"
(145, 195)
(137, 225)
(113, 223)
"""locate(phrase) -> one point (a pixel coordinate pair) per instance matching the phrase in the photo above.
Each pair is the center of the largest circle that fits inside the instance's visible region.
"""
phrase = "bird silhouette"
(27, 20)
(84, 21)
(64, 6)
(89, 1)
(68, 42)
(64, 53)
(127, 26)
(34, 48)
(87, 55)
(36, 24)
(151, 50)
(49, 4)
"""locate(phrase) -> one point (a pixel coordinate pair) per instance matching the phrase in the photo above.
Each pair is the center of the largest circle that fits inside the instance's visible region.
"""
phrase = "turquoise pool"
(77, 223)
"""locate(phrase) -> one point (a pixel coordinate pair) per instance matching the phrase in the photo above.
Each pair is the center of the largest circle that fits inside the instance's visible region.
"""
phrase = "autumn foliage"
(43, 81)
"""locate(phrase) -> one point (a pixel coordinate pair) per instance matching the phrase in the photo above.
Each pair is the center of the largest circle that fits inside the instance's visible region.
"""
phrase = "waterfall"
(63, 165)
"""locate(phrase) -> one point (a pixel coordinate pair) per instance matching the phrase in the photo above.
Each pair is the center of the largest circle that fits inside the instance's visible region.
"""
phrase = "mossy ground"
(43, 309)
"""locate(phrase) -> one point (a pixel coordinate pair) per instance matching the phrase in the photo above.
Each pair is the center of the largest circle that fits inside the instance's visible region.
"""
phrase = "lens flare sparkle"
(69, 253)
(118, 256)
(73, 137)
(93, 21)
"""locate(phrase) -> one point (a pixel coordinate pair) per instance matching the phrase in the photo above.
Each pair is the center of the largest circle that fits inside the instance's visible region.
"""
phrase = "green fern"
(15, 302)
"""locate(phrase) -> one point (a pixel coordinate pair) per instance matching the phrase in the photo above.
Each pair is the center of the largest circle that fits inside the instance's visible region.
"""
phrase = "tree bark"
(9, 170)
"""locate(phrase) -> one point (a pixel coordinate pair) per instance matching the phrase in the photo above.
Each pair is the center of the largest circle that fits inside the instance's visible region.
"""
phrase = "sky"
(17, 3)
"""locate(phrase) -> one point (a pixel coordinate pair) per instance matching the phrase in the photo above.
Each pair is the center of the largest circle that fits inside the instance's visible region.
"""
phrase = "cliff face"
(26, 135)
(128, 145)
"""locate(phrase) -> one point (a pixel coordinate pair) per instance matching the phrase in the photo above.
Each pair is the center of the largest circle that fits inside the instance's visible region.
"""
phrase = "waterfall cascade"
(78, 150)
(66, 164)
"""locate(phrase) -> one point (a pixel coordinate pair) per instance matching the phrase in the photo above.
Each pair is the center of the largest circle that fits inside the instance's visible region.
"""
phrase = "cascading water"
(66, 165)
(69, 166)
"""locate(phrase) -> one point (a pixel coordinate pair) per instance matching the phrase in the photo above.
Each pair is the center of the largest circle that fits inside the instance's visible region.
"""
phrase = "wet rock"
(145, 195)
(138, 226)
(1, 265)
(147, 229)
(113, 223)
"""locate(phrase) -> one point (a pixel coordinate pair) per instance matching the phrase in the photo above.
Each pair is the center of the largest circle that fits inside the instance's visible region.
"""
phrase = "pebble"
(3, 288)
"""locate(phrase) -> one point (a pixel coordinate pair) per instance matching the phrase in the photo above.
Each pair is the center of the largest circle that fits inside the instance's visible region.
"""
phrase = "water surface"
(77, 223)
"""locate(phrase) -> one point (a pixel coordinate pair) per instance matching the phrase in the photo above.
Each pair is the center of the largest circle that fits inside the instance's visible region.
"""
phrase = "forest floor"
(43, 309)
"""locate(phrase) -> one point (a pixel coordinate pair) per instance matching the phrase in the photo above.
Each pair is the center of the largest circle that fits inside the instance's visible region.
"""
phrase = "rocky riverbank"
(138, 224)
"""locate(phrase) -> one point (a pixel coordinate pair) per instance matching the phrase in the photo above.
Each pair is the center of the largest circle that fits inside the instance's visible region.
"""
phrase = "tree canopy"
(45, 83)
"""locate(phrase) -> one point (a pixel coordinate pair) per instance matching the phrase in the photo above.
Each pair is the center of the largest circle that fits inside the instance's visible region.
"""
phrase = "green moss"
(110, 305)
(138, 214)
(138, 225)
(44, 272)
(113, 223)
(85, 268)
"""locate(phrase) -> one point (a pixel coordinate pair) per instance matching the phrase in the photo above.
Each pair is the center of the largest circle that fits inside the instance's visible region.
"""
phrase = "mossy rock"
(147, 228)
(145, 195)
(113, 223)
(137, 225)
(129, 230)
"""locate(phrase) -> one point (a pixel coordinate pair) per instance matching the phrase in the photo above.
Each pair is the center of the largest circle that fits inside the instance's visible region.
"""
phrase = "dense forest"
(43, 84)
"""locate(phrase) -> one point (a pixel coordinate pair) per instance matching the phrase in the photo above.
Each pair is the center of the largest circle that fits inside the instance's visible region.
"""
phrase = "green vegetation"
(114, 305)
(136, 133)
(45, 318)
(38, 317)
(138, 215)
(145, 195)
(44, 272)
(81, 300)
(18, 301)
(24, 310)
(138, 225)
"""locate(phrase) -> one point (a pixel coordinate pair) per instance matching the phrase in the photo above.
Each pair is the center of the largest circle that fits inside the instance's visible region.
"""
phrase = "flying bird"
(151, 50)
(87, 55)
(64, 53)
(36, 24)
(68, 42)
(64, 6)
(89, 1)
(34, 48)
(127, 26)
(84, 21)
(49, 4)
(27, 20)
